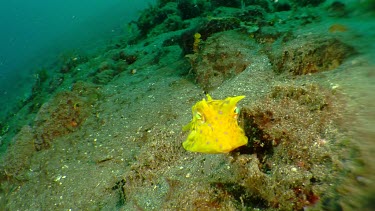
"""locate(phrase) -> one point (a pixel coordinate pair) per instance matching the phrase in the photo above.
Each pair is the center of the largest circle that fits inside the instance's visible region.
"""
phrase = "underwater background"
(37, 34)
(131, 105)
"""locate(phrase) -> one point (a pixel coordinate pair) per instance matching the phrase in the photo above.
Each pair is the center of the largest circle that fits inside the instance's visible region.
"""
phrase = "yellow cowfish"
(214, 127)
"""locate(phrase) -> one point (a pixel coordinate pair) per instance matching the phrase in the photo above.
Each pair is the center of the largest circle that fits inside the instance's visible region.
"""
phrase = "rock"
(309, 55)
(223, 56)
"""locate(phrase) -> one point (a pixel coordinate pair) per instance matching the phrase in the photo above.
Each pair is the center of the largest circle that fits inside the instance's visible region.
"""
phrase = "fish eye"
(236, 110)
(198, 115)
